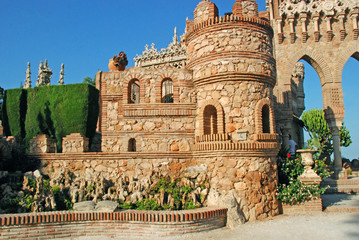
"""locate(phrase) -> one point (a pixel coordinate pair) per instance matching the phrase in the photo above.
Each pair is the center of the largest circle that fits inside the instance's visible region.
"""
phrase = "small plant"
(175, 196)
(147, 204)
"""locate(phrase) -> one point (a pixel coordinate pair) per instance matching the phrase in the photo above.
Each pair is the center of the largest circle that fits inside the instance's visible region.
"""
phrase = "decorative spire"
(28, 77)
(40, 74)
(175, 38)
(44, 76)
(62, 74)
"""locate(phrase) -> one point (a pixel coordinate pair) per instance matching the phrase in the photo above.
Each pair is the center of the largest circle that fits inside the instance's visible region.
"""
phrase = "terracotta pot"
(113, 68)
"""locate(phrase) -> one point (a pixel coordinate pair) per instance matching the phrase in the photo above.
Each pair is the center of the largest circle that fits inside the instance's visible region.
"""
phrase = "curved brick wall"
(129, 223)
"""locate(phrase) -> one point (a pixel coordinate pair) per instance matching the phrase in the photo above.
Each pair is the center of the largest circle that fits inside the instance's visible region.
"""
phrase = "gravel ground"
(338, 226)
(313, 226)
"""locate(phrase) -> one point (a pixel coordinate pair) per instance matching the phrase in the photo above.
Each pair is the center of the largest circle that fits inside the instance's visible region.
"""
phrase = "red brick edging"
(130, 222)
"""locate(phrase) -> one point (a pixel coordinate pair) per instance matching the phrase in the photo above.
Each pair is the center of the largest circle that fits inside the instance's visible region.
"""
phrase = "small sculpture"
(28, 77)
(118, 63)
(44, 76)
(62, 74)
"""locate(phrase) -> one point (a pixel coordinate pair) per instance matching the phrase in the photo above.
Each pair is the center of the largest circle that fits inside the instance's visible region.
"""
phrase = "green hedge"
(56, 110)
(14, 113)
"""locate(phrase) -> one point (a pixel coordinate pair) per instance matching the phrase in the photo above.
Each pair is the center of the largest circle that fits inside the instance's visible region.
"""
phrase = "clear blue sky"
(84, 35)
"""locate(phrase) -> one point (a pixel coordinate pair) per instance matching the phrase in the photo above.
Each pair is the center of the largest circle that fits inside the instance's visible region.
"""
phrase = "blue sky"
(84, 35)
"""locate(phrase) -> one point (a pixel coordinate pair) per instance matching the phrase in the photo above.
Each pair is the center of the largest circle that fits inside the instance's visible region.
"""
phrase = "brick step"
(340, 182)
(343, 189)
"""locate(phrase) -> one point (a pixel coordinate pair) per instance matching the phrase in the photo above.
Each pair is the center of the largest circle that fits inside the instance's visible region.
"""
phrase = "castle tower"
(234, 74)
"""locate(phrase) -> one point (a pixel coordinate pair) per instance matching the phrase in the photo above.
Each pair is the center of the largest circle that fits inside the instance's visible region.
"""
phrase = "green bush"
(290, 189)
(14, 112)
(56, 110)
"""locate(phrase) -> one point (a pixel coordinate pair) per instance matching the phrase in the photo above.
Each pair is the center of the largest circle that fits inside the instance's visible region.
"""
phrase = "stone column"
(285, 129)
(338, 165)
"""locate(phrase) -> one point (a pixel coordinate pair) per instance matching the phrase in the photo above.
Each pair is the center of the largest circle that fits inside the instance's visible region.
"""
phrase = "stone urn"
(308, 176)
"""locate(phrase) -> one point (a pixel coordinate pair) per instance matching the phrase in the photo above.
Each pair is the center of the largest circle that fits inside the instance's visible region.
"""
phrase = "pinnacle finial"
(28, 77)
(62, 74)
(175, 37)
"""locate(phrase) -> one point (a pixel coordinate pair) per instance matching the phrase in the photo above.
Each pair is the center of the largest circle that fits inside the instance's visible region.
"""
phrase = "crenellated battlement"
(193, 28)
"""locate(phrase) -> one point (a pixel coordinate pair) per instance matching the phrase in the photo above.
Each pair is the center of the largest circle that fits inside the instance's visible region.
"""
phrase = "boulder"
(84, 206)
(106, 206)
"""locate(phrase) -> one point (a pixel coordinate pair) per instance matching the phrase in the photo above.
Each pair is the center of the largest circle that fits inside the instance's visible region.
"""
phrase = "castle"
(219, 100)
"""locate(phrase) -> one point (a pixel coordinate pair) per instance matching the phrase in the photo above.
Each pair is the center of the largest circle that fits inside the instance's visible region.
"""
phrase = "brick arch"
(163, 77)
(142, 87)
(258, 116)
(315, 59)
(220, 116)
(343, 59)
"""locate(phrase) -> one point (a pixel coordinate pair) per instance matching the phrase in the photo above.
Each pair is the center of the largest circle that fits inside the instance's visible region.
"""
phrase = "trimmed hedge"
(14, 112)
(55, 110)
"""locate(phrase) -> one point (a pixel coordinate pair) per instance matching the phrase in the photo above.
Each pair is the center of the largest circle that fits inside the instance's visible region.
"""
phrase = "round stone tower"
(234, 71)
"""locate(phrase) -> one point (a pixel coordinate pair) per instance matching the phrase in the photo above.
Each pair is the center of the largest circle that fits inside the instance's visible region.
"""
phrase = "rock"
(106, 206)
(84, 206)
(37, 173)
(149, 126)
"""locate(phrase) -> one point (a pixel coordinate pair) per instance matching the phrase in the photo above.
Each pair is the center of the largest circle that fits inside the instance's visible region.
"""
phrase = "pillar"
(338, 165)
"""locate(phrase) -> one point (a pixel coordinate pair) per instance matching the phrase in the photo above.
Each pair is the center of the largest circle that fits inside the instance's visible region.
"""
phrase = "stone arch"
(343, 59)
(262, 104)
(163, 77)
(126, 93)
(219, 116)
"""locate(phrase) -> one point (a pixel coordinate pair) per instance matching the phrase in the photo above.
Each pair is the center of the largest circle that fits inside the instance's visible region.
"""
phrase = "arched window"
(132, 145)
(134, 91)
(210, 120)
(167, 91)
(265, 119)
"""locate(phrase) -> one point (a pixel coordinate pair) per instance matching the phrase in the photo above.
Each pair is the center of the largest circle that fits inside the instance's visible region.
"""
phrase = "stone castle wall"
(245, 185)
(155, 126)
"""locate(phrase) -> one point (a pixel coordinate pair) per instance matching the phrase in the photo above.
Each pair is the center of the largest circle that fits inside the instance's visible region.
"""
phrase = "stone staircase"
(348, 186)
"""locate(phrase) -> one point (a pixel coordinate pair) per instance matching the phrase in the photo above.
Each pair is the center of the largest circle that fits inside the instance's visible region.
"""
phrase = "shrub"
(14, 112)
(290, 189)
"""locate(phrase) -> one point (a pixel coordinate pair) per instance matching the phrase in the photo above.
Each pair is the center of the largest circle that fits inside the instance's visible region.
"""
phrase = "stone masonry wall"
(156, 126)
(244, 185)
(238, 100)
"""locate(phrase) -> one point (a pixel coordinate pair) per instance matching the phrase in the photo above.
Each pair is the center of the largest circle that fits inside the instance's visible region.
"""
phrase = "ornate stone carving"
(118, 63)
(174, 54)
(44, 76)
(28, 77)
(328, 7)
(62, 74)
(299, 70)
